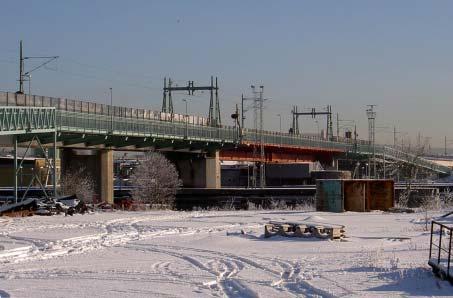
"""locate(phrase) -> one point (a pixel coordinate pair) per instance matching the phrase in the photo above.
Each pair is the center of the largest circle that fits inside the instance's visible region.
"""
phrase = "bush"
(155, 181)
(76, 181)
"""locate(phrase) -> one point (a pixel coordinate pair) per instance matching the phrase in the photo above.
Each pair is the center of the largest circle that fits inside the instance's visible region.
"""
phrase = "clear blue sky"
(396, 54)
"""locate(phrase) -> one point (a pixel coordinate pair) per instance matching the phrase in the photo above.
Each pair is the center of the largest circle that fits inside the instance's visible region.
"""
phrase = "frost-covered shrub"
(156, 181)
(77, 181)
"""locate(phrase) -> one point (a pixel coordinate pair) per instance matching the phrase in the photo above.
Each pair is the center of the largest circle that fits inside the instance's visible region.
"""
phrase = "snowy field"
(204, 254)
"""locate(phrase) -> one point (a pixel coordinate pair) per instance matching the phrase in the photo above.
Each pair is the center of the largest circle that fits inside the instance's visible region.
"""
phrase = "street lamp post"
(111, 109)
(280, 127)
(187, 117)
(29, 84)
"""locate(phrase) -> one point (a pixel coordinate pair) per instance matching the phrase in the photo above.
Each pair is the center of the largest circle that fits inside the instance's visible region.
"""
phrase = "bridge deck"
(77, 119)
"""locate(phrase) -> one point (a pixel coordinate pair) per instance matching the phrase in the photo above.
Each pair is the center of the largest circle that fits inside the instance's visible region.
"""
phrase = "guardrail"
(20, 120)
(440, 250)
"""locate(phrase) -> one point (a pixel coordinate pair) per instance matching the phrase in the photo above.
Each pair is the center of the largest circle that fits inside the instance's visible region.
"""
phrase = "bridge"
(74, 124)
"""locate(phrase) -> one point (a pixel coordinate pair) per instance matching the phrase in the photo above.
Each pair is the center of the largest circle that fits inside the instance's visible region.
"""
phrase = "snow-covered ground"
(204, 254)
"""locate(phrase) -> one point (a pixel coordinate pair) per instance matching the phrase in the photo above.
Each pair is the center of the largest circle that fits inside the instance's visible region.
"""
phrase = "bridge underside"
(197, 161)
(123, 143)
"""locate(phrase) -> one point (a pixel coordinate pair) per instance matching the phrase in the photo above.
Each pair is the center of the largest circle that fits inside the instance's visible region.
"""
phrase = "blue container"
(329, 195)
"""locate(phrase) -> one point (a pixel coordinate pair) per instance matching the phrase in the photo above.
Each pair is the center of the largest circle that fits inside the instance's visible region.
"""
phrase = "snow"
(214, 254)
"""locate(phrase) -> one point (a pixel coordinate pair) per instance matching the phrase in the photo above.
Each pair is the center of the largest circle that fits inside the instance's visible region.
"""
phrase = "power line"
(93, 77)
(111, 70)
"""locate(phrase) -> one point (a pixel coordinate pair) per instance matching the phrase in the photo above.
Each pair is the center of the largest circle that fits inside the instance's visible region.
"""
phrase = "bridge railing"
(18, 120)
(413, 158)
(103, 124)
(295, 140)
(71, 105)
(81, 116)
(395, 154)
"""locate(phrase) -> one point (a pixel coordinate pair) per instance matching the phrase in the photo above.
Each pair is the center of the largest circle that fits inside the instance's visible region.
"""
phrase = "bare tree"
(76, 181)
(156, 180)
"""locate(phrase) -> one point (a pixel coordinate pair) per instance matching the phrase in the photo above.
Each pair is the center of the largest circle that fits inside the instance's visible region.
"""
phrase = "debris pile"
(68, 205)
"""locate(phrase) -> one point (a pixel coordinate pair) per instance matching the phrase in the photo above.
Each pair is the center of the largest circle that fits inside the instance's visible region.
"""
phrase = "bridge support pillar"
(106, 163)
(97, 164)
(197, 170)
(213, 170)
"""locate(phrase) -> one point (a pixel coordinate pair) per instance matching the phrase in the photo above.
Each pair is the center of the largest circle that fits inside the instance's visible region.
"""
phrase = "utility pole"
(329, 133)
(338, 127)
(21, 70)
(242, 111)
(22, 75)
(258, 100)
(164, 97)
(262, 157)
(394, 137)
(280, 127)
(371, 114)
(255, 128)
(446, 142)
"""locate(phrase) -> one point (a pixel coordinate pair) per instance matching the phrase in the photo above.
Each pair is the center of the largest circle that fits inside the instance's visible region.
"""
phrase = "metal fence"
(440, 250)
(102, 124)
(70, 105)
(19, 120)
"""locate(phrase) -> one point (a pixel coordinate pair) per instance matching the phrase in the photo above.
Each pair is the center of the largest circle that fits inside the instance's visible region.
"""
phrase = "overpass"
(104, 128)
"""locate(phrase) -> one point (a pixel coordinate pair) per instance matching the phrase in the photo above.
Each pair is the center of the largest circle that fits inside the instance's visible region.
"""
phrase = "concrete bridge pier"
(212, 164)
(106, 175)
(97, 163)
(197, 170)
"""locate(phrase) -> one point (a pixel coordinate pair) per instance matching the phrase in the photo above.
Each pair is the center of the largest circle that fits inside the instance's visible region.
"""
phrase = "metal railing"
(411, 158)
(102, 124)
(70, 105)
(440, 250)
(19, 120)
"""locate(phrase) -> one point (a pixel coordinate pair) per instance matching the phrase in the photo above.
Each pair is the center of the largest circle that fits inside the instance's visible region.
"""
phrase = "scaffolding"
(26, 126)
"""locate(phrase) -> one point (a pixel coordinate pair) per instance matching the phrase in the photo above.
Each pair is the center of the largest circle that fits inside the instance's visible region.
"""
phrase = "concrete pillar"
(213, 170)
(106, 175)
(197, 170)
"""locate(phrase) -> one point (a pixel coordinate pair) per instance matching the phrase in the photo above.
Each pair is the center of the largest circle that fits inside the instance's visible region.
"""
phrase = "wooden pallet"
(304, 229)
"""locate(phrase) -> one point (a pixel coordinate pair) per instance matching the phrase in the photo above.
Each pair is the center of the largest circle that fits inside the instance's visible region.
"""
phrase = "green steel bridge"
(70, 122)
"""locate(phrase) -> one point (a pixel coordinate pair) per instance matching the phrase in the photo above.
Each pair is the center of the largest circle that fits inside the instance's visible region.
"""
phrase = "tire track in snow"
(290, 279)
(224, 270)
(289, 274)
(115, 232)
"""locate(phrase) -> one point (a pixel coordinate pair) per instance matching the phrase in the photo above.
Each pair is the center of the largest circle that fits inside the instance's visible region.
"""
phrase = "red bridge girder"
(279, 154)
